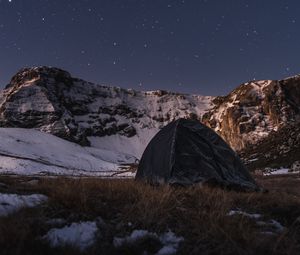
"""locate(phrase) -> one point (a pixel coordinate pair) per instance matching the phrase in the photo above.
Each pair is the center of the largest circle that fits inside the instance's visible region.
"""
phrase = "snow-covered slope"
(110, 118)
(118, 123)
(31, 152)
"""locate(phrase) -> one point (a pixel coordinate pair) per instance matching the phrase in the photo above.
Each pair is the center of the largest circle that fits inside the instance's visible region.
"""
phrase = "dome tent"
(186, 152)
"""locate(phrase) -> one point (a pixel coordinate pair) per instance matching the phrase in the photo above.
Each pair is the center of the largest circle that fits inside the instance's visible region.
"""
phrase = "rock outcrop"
(254, 110)
(50, 100)
(280, 148)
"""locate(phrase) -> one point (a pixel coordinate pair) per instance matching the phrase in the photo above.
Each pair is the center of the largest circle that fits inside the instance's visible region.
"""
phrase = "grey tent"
(186, 152)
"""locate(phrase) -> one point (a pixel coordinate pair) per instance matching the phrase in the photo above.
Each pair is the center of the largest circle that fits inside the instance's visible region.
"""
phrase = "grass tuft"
(199, 214)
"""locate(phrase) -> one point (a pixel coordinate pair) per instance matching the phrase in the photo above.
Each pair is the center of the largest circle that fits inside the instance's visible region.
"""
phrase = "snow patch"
(119, 144)
(135, 235)
(80, 235)
(170, 242)
(31, 152)
(270, 227)
(168, 239)
(10, 203)
(274, 225)
(271, 171)
(249, 215)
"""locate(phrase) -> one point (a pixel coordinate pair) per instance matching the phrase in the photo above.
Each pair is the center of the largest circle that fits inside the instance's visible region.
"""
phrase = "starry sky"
(206, 47)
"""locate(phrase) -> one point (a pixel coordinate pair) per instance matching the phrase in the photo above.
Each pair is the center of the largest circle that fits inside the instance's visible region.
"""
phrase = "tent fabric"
(186, 152)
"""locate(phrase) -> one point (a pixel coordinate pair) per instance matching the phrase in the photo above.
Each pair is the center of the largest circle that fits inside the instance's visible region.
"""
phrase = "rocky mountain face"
(279, 148)
(254, 110)
(50, 100)
(260, 120)
(124, 120)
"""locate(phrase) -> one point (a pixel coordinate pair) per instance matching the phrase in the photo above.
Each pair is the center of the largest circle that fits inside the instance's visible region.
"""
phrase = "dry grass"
(198, 214)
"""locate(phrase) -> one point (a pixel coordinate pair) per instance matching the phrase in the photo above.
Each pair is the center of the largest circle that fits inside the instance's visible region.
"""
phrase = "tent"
(186, 152)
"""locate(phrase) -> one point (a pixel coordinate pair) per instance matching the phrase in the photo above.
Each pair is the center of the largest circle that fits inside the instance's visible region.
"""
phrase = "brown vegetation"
(199, 214)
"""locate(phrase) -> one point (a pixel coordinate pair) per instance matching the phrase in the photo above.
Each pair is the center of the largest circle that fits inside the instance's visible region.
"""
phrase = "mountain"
(111, 118)
(279, 149)
(260, 120)
(255, 109)
(122, 121)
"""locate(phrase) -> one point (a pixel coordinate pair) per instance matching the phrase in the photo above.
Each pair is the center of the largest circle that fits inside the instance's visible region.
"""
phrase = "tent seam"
(171, 163)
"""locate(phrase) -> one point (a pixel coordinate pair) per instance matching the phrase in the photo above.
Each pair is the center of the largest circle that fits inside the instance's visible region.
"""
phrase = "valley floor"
(96, 216)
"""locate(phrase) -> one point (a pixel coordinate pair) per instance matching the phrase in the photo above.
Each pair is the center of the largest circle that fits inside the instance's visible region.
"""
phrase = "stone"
(295, 166)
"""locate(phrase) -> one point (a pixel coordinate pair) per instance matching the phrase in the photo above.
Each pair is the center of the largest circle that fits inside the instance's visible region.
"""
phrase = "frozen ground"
(31, 152)
(266, 226)
(280, 171)
(169, 241)
(80, 235)
(10, 203)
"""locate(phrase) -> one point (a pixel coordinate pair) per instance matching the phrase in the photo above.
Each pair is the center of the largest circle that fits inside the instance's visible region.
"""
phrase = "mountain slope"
(110, 118)
(256, 115)
(278, 149)
(254, 110)
(31, 152)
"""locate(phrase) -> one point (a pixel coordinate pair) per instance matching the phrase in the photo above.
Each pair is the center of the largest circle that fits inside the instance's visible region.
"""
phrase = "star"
(158, 39)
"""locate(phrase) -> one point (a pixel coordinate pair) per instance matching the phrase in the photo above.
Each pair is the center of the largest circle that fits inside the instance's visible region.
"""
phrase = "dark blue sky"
(205, 47)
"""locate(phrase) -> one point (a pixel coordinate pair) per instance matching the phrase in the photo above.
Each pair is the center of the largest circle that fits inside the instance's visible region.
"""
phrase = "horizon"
(140, 88)
(196, 47)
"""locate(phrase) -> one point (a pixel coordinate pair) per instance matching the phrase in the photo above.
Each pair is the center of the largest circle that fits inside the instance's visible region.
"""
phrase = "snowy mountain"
(120, 122)
(111, 119)
(255, 109)
(261, 120)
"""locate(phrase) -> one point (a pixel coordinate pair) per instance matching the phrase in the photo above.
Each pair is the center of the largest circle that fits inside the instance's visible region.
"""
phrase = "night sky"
(195, 46)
